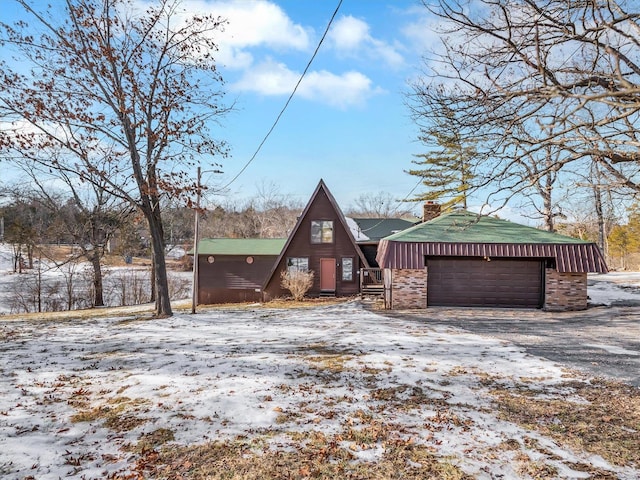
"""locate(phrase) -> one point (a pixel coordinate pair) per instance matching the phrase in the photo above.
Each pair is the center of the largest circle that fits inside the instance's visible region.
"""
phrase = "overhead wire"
(295, 89)
(395, 210)
(273, 126)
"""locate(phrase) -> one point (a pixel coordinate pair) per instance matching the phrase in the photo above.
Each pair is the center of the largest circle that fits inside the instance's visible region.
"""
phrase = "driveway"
(603, 341)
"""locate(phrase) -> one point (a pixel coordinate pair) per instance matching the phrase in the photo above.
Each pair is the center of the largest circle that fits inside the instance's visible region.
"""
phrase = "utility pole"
(196, 228)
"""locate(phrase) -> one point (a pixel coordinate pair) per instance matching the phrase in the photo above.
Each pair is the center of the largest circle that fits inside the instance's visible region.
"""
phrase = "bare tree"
(538, 183)
(89, 216)
(276, 212)
(378, 205)
(532, 77)
(110, 81)
(26, 224)
(268, 214)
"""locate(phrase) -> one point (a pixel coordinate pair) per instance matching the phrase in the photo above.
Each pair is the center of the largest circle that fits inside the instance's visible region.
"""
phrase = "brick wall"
(565, 291)
(431, 210)
(408, 288)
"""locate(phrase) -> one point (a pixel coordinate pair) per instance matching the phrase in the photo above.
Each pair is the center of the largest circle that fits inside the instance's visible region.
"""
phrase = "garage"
(464, 259)
(479, 282)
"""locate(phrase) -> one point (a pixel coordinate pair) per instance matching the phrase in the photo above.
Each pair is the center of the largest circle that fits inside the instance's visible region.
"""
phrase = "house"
(368, 232)
(234, 269)
(322, 242)
(463, 259)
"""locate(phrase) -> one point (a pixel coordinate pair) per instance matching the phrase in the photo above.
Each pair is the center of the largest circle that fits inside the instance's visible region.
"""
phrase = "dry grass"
(148, 442)
(314, 455)
(286, 303)
(327, 359)
(145, 311)
(605, 422)
(119, 414)
(529, 468)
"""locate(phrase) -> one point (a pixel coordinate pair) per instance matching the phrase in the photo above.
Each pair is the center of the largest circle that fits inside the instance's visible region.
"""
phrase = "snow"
(6, 276)
(224, 373)
(614, 288)
(121, 285)
(357, 233)
(229, 372)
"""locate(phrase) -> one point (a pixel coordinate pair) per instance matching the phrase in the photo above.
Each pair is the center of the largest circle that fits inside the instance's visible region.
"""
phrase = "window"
(347, 269)
(298, 264)
(322, 231)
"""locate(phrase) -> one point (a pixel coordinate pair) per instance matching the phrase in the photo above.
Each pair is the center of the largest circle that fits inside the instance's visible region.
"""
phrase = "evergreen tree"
(446, 170)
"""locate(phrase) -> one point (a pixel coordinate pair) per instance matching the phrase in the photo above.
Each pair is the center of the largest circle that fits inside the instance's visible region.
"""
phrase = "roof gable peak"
(341, 219)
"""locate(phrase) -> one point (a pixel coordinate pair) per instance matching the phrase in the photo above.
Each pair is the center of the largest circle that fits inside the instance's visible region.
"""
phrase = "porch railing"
(371, 280)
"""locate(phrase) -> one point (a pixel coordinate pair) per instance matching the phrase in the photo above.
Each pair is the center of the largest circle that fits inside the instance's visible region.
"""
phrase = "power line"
(288, 100)
(395, 210)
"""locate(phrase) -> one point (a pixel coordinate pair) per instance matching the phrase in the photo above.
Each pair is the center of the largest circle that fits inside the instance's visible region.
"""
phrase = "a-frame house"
(322, 242)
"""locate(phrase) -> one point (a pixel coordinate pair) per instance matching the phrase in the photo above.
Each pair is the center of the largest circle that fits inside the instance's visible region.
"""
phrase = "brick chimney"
(430, 210)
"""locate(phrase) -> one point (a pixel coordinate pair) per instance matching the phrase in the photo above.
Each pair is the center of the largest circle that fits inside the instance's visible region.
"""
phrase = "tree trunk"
(98, 290)
(547, 209)
(153, 280)
(39, 287)
(600, 215)
(596, 179)
(161, 284)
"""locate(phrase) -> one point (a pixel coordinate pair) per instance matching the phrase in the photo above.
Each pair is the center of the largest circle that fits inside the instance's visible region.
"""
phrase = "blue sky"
(348, 123)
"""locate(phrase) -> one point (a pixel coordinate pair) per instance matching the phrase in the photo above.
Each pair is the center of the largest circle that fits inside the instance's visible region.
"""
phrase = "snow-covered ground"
(614, 288)
(228, 373)
(6, 277)
(121, 285)
(77, 396)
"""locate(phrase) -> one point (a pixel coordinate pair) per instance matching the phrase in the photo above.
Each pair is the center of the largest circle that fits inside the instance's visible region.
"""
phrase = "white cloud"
(260, 26)
(349, 33)
(268, 78)
(258, 23)
(272, 78)
(350, 37)
(423, 31)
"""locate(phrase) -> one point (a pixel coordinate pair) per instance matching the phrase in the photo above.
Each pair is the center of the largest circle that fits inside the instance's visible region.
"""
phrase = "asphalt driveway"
(602, 341)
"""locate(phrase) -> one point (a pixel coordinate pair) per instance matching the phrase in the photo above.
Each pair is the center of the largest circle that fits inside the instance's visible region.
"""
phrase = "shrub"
(297, 282)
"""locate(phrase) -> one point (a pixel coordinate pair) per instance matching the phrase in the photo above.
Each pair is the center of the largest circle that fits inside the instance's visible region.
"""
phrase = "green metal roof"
(467, 227)
(241, 246)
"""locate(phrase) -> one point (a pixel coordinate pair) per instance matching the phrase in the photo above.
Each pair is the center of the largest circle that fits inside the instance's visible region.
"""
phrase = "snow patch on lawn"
(614, 287)
(227, 373)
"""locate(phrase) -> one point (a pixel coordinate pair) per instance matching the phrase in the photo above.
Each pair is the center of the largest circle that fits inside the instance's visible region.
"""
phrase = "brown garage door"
(475, 282)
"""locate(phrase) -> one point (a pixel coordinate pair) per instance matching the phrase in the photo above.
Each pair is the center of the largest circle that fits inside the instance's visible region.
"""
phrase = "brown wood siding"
(475, 282)
(300, 246)
(231, 279)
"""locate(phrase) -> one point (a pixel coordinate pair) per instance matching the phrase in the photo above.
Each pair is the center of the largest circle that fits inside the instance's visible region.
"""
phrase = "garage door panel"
(464, 281)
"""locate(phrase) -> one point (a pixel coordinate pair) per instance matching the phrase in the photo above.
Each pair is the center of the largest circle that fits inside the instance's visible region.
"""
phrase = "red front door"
(328, 274)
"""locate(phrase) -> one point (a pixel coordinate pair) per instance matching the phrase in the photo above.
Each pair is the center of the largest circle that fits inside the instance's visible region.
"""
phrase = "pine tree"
(446, 171)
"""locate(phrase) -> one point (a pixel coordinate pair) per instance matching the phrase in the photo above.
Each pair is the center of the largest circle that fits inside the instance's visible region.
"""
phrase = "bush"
(297, 282)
